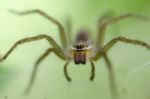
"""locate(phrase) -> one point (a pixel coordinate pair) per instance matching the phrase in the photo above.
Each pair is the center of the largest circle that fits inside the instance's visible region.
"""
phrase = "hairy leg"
(104, 23)
(34, 72)
(66, 71)
(92, 71)
(111, 76)
(111, 43)
(54, 21)
(30, 39)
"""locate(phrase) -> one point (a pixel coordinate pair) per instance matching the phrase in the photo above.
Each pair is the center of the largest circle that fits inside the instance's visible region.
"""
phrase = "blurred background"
(131, 63)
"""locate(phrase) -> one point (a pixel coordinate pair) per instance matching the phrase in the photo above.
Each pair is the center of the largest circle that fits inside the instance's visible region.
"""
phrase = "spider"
(82, 50)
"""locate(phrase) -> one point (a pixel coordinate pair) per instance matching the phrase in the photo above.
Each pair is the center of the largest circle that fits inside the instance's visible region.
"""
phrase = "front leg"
(30, 39)
(54, 21)
(126, 41)
(111, 43)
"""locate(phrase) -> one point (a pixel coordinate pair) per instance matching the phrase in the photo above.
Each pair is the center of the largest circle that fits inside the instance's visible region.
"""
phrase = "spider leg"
(111, 76)
(69, 29)
(125, 40)
(110, 44)
(34, 72)
(107, 48)
(65, 70)
(92, 71)
(54, 21)
(30, 39)
(104, 23)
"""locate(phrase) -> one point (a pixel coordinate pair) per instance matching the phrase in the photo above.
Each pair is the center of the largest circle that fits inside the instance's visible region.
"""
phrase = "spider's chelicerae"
(82, 50)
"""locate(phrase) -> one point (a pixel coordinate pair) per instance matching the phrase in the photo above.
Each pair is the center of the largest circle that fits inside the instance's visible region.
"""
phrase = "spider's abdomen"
(80, 57)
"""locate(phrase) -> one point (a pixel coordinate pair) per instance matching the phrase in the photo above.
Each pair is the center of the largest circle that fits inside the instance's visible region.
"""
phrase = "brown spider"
(82, 50)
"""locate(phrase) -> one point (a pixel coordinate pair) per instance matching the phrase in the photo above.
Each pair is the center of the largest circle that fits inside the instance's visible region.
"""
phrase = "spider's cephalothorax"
(81, 47)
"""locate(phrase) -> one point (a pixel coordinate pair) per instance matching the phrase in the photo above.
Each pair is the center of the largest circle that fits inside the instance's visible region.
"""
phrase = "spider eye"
(80, 46)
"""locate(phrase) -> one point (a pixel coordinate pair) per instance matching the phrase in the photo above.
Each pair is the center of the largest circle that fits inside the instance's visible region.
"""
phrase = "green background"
(131, 63)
